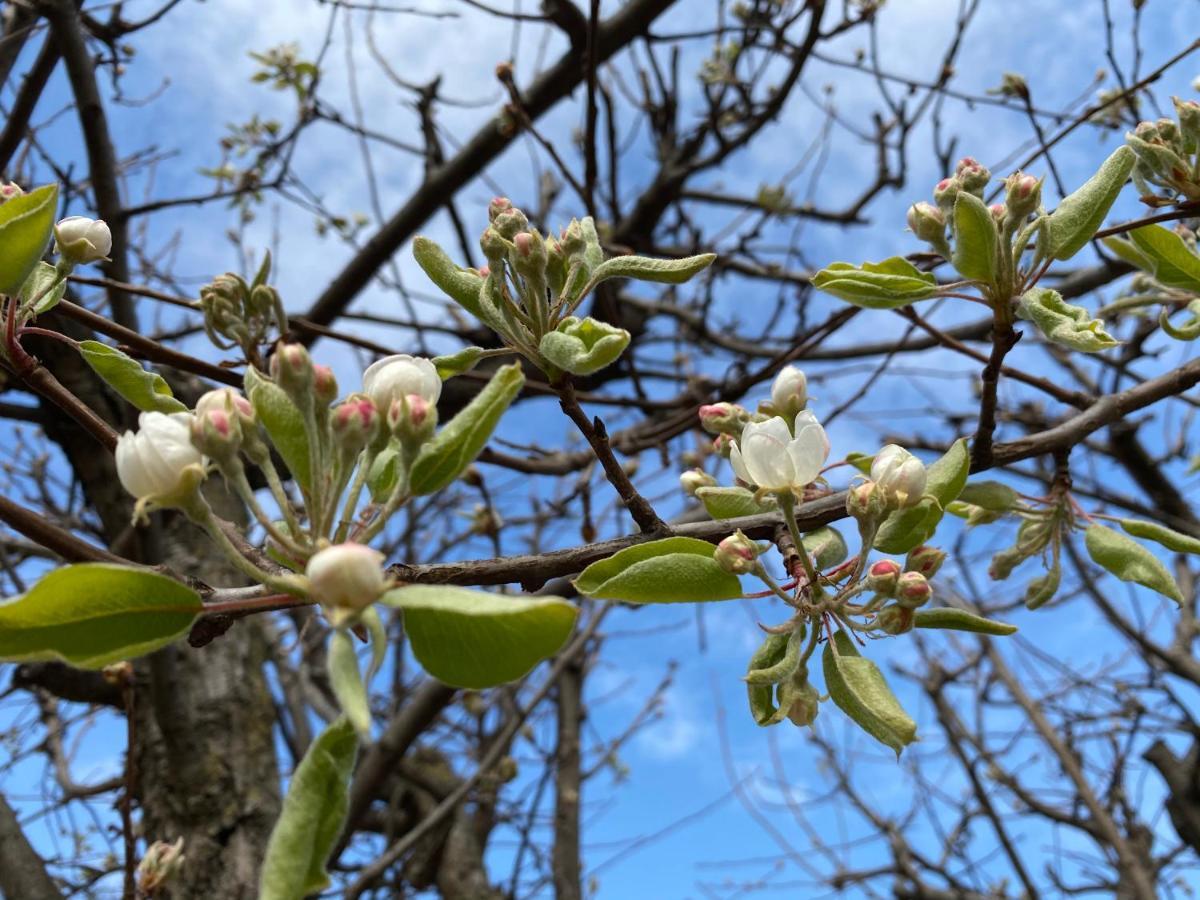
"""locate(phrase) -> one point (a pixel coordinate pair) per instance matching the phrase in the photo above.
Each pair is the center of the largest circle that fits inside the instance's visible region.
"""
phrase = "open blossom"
(768, 455)
(83, 240)
(396, 377)
(899, 475)
(346, 576)
(151, 462)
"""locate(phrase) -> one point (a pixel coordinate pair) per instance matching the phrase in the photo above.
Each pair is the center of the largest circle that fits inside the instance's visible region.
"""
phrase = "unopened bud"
(927, 222)
(325, 386)
(531, 253)
(1004, 562)
(1188, 112)
(355, 423)
(999, 213)
(572, 239)
(723, 418)
(723, 444)
(737, 554)
(899, 475)
(494, 248)
(926, 560)
(346, 578)
(945, 192)
(695, 478)
(883, 576)
(913, 590)
(83, 240)
(218, 434)
(412, 419)
(292, 370)
(510, 222)
(895, 619)
(1022, 195)
(972, 175)
(789, 392)
(497, 206)
(806, 703)
(865, 502)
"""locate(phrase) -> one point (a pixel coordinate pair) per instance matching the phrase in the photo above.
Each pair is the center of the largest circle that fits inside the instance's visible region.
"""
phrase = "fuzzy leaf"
(859, 689)
(661, 271)
(312, 817)
(145, 390)
(960, 620)
(459, 284)
(1160, 534)
(1078, 217)
(975, 239)
(383, 474)
(94, 614)
(1042, 589)
(883, 285)
(583, 346)
(730, 502)
(456, 445)
(945, 478)
(1062, 323)
(671, 570)
(761, 696)
(1189, 330)
(1130, 561)
(283, 422)
(473, 639)
(826, 546)
(1173, 263)
(990, 495)
(26, 223)
(39, 286)
(347, 682)
(457, 363)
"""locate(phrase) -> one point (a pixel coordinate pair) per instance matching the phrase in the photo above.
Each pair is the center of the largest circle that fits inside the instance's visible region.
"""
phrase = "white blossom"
(151, 462)
(346, 576)
(768, 455)
(899, 474)
(396, 377)
(83, 240)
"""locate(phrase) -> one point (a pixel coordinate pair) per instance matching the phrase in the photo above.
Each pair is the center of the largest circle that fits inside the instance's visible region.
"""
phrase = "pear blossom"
(152, 462)
(769, 456)
(400, 376)
(899, 475)
(83, 240)
(789, 391)
(346, 576)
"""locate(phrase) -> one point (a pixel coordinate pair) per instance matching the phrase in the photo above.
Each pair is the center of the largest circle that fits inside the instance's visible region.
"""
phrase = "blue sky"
(194, 69)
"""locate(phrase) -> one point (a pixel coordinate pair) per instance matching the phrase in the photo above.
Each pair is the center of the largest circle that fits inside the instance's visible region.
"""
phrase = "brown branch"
(24, 873)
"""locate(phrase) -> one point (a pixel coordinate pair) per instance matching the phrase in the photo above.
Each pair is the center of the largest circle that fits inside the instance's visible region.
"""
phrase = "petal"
(767, 459)
(739, 467)
(808, 453)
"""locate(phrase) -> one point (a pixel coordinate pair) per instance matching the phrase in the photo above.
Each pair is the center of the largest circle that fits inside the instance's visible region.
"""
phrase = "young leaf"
(671, 570)
(1062, 323)
(1042, 589)
(883, 285)
(975, 239)
(1172, 263)
(462, 439)
(461, 285)
(312, 817)
(26, 223)
(125, 375)
(761, 696)
(784, 667)
(1160, 534)
(473, 639)
(583, 346)
(990, 495)
(347, 682)
(1189, 330)
(861, 461)
(730, 502)
(859, 689)
(383, 474)
(641, 268)
(1124, 248)
(945, 478)
(960, 620)
(94, 614)
(284, 424)
(826, 546)
(1130, 561)
(44, 286)
(1078, 217)
(457, 363)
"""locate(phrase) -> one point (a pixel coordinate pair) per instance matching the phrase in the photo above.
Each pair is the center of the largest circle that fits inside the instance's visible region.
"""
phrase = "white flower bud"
(695, 478)
(83, 240)
(396, 377)
(153, 463)
(346, 577)
(899, 475)
(789, 391)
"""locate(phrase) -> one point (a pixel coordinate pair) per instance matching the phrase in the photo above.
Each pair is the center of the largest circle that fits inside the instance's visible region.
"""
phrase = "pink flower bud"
(926, 560)
(723, 418)
(895, 620)
(883, 576)
(972, 176)
(524, 243)
(497, 206)
(217, 433)
(325, 386)
(412, 419)
(292, 369)
(355, 423)
(945, 192)
(913, 590)
(737, 554)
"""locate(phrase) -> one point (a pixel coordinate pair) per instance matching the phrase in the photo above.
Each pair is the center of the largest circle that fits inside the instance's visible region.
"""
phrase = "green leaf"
(1062, 323)
(94, 614)
(384, 473)
(1041, 590)
(883, 285)
(462, 439)
(312, 817)
(661, 271)
(43, 284)
(670, 570)
(1130, 561)
(960, 620)
(1189, 330)
(473, 639)
(125, 375)
(1172, 263)
(826, 546)
(908, 528)
(461, 285)
(26, 223)
(457, 363)
(861, 461)
(859, 689)
(730, 502)
(786, 665)
(347, 682)
(1160, 534)
(583, 346)
(761, 696)
(990, 495)
(1125, 249)
(975, 239)
(1078, 217)
(284, 424)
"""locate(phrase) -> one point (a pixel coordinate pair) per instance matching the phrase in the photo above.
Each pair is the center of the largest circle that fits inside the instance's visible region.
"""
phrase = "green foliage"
(458, 363)
(1160, 534)
(1172, 263)
(145, 390)
(473, 639)
(730, 502)
(883, 285)
(583, 346)
(671, 570)
(26, 223)
(1130, 561)
(858, 689)
(661, 271)
(945, 478)
(463, 286)
(443, 458)
(826, 546)
(1066, 231)
(1062, 323)
(312, 817)
(284, 424)
(960, 620)
(94, 614)
(991, 495)
(975, 239)
(760, 695)
(43, 289)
